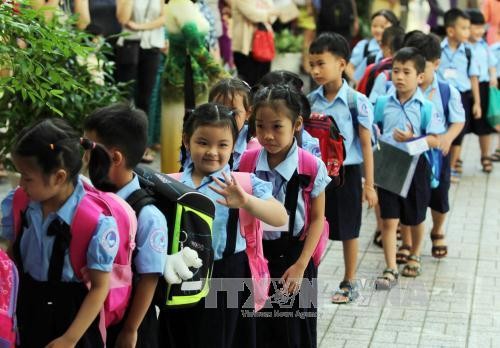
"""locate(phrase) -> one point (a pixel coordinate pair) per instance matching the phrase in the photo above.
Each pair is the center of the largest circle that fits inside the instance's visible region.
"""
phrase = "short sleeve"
(103, 246)
(151, 241)
(474, 67)
(357, 52)
(492, 60)
(455, 107)
(322, 179)
(261, 189)
(365, 112)
(379, 88)
(436, 124)
(7, 231)
(310, 144)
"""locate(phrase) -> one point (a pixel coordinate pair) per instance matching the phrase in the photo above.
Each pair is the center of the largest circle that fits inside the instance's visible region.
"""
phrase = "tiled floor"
(454, 303)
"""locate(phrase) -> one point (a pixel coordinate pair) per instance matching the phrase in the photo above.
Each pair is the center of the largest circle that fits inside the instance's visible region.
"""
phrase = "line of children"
(55, 308)
(328, 57)
(403, 120)
(278, 120)
(459, 67)
(209, 135)
(368, 51)
(113, 127)
(449, 106)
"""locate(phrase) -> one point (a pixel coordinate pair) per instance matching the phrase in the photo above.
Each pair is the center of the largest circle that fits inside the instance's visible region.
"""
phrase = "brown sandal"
(487, 164)
(438, 251)
(402, 257)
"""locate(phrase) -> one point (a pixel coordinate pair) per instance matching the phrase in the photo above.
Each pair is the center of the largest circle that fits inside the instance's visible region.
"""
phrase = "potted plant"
(45, 72)
(289, 51)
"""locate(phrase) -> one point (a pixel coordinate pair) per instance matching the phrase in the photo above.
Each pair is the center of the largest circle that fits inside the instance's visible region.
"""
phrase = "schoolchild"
(460, 68)
(209, 135)
(403, 120)
(487, 77)
(278, 121)
(113, 127)
(328, 56)
(283, 77)
(367, 51)
(392, 41)
(446, 100)
(55, 308)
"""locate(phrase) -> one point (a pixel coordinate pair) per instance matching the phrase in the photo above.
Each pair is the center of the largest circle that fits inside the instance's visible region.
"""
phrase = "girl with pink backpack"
(209, 135)
(66, 241)
(299, 180)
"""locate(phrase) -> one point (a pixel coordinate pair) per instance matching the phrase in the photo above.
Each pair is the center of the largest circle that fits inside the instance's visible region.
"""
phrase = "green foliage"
(49, 74)
(287, 42)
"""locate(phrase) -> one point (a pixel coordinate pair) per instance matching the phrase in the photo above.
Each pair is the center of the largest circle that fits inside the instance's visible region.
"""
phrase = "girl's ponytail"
(99, 165)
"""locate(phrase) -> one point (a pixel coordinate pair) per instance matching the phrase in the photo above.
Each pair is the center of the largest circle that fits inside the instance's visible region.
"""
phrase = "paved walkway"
(454, 303)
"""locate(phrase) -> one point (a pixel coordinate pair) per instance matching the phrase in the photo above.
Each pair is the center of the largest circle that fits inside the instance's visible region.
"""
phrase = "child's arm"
(144, 292)
(90, 308)
(292, 278)
(493, 76)
(269, 211)
(369, 193)
(447, 138)
(476, 107)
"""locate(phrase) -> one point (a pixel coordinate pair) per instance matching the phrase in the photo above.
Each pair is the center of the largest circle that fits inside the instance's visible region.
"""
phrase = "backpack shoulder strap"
(366, 52)
(20, 203)
(248, 160)
(352, 103)
(445, 92)
(426, 114)
(468, 55)
(139, 199)
(308, 166)
(379, 109)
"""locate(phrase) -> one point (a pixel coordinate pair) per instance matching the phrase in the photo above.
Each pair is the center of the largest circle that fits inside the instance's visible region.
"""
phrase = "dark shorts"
(343, 206)
(439, 196)
(467, 104)
(481, 125)
(410, 210)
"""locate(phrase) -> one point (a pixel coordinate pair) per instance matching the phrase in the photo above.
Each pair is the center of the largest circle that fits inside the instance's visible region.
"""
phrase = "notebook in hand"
(394, 168)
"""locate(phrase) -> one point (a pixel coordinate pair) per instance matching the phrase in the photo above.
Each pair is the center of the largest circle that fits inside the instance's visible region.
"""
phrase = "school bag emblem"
(93, 204)
(189, 216)
(9, 284)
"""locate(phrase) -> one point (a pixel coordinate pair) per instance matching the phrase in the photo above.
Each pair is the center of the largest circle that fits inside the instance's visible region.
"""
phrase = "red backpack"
(307, 166)
(9, 284)
(366, 82)
(93, 204)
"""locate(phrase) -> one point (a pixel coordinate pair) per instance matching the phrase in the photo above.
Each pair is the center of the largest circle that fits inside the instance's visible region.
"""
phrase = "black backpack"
(335, 16)
(189, 216)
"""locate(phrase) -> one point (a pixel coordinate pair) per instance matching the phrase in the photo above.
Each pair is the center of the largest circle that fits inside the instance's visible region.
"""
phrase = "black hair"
(225, 90)
(388, 15)
(412, 54)
(428, 45)
(55, 145)
(277, 97)
(121, 126)
(334, 43)
(476, 16)
(393, 37)
(210, 114)
(451, 16)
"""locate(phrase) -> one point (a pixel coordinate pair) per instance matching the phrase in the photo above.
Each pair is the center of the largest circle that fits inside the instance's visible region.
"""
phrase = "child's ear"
(420, 78)
(117, 157)
(61, 176)
(185, 141)
(298, 123)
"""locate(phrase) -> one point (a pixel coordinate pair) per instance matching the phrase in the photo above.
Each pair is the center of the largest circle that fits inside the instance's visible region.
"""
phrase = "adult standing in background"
(491, 12)
(247, 14)
(138, 51)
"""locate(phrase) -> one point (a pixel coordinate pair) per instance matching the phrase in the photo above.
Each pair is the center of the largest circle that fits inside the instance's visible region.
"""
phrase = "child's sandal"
(388, 279)
(438, 251)
(412, 271)
(345, 290)
(495, 156)
(401, 256)
(487, 164)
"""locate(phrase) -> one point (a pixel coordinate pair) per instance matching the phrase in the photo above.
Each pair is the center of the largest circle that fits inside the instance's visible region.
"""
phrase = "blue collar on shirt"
(418, 96)
(460, 47)
(341, 94)
(128, 189)
(434, 85)
(187, 179)
(284, 168)
(68, 209)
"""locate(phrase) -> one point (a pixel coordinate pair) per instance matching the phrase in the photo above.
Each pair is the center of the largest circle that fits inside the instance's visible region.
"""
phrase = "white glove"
(177, 265)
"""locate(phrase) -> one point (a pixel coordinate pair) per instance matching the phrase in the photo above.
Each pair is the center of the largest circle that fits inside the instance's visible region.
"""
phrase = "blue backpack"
(434, 156)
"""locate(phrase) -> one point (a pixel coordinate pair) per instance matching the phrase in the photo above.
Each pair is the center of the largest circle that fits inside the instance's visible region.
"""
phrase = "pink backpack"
(307, 166)
(82, 228)
(251, 230)
(9, 283)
